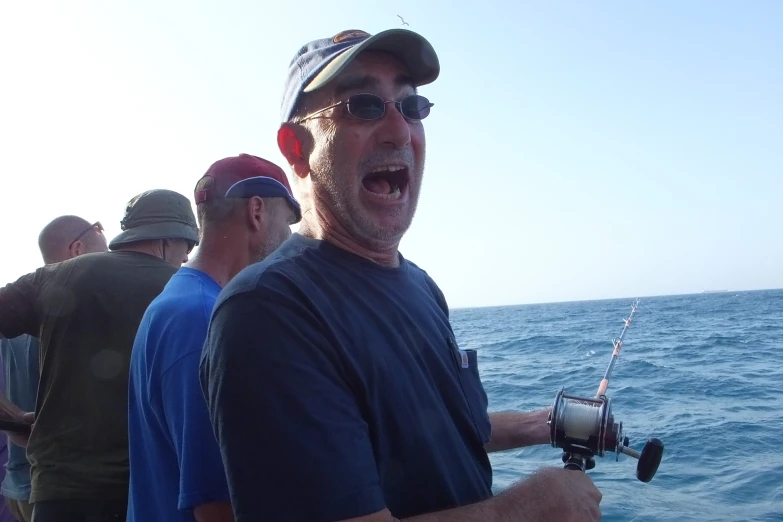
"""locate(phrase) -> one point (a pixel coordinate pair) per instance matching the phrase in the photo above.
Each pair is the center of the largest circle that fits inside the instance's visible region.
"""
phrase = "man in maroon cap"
(245, 208)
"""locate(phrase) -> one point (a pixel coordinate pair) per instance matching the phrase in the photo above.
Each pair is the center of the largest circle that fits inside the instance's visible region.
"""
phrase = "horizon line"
(703, 292)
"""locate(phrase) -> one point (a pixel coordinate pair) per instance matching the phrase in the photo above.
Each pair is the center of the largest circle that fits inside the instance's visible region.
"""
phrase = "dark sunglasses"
(97, 226)
(370, 107)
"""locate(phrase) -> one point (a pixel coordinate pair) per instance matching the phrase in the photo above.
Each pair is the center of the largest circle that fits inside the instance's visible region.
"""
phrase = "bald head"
(69, 236)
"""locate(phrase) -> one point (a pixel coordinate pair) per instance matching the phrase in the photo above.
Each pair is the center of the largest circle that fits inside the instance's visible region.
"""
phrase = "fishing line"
(579, 420)
(650, 309)
(585, 427)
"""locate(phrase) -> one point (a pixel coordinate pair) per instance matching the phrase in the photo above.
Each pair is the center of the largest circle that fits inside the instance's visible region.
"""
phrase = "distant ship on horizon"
(713, 291)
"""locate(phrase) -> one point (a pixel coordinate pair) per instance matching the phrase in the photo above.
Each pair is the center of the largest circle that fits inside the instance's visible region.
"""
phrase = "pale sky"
(576, 150)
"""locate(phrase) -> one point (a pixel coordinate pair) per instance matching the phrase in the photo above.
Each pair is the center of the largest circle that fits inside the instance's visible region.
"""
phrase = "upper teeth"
(389, 168)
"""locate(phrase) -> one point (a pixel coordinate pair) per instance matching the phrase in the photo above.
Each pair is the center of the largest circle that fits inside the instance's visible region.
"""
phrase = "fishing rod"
(584, 427)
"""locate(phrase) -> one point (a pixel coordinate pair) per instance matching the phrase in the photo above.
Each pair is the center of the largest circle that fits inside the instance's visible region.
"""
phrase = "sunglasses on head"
(97, 226)
(370, 107)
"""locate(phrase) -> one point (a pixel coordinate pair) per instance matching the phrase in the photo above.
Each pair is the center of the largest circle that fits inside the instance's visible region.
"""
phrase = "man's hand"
(21, 439)
(564, 496)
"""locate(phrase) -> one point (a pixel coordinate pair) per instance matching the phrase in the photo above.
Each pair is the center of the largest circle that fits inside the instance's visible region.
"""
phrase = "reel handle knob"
(649, 460)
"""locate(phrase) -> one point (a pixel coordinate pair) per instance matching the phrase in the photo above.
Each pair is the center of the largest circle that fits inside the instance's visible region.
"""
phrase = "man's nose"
(394, 128)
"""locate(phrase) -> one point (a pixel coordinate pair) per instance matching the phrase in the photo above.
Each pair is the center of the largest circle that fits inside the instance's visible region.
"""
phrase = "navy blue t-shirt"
(336, 389)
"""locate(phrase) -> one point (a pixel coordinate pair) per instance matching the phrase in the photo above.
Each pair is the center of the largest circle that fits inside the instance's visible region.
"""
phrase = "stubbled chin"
(385, 228)
(387, 219)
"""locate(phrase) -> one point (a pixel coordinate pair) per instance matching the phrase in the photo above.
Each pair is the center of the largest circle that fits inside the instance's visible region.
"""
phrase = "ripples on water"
(704, 373)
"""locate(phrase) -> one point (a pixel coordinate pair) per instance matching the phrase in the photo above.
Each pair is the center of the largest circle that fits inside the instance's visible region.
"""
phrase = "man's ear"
(292, 140)
(76, 249)
(256, 209)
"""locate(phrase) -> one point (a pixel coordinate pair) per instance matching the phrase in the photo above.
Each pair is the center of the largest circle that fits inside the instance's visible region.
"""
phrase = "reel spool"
(585, 427)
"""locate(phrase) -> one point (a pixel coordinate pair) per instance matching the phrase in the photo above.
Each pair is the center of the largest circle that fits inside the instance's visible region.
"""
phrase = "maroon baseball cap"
(245, 176)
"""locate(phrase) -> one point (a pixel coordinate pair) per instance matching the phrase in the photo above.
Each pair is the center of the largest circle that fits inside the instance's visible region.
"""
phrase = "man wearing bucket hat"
(245, 208)
(86, 311)
(333, 378)
(160, 222)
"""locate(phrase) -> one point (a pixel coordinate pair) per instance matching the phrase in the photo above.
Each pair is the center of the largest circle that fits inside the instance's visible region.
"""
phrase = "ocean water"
(703, 373)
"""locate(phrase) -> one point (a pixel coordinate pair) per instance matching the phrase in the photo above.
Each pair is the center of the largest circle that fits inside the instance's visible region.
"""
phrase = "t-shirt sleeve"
(288, 422)
(18, 309)
(202, 475)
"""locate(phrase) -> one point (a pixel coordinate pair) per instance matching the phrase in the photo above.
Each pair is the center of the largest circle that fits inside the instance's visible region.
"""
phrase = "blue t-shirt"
(336, 389)
(175, 462)
(21, 371)
(5, 511)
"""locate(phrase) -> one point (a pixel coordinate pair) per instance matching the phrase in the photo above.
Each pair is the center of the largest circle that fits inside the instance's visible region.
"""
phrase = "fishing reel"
(585, 427)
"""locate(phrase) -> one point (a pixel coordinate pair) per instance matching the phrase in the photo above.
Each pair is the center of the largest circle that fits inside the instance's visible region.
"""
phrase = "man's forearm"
(522, 502)
(518, 430)
(495, 509)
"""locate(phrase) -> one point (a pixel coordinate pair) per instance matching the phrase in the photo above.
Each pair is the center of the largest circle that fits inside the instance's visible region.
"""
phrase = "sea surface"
(703, 373)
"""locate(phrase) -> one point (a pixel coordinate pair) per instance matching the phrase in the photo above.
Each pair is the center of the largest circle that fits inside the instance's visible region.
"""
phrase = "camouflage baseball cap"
(157, 214)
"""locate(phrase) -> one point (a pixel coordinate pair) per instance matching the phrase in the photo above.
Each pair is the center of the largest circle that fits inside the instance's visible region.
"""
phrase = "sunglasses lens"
(366, 106)
(372, 107)
(415, 107)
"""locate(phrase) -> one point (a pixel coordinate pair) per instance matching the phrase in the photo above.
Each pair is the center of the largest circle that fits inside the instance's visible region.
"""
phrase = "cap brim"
(412, 49)
(155, 231)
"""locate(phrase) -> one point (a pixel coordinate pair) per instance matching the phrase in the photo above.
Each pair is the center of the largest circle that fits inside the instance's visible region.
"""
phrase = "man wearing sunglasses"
(245, 208)
(334, 381)
(86, 312)
(64, 237)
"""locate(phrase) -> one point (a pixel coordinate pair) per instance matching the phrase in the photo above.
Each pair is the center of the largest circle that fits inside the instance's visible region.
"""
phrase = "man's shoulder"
(175, 323)
(189, 294)
(416, 271)
(187, 285)
(119, 264)
(129, 279)
(428, 283)
(285, 267)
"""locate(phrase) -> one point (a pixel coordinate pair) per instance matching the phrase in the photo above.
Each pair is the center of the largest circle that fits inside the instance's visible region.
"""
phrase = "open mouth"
(388, 182)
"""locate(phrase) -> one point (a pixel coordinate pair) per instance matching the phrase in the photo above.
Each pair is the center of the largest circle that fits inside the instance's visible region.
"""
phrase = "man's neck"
(221, 259)
(319, 226)
(152, 248)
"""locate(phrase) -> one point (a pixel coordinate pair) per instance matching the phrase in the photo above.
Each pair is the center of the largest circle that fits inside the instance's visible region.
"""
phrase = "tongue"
(377, 185)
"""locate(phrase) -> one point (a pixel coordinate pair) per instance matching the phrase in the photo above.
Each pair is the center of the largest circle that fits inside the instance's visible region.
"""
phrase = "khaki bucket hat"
(157, 214)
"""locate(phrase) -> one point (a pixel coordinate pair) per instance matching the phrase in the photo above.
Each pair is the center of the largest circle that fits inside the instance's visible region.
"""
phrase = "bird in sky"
(403, 21)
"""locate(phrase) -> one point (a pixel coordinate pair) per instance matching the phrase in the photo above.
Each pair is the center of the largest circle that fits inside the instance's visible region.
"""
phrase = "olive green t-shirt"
(85, 311)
